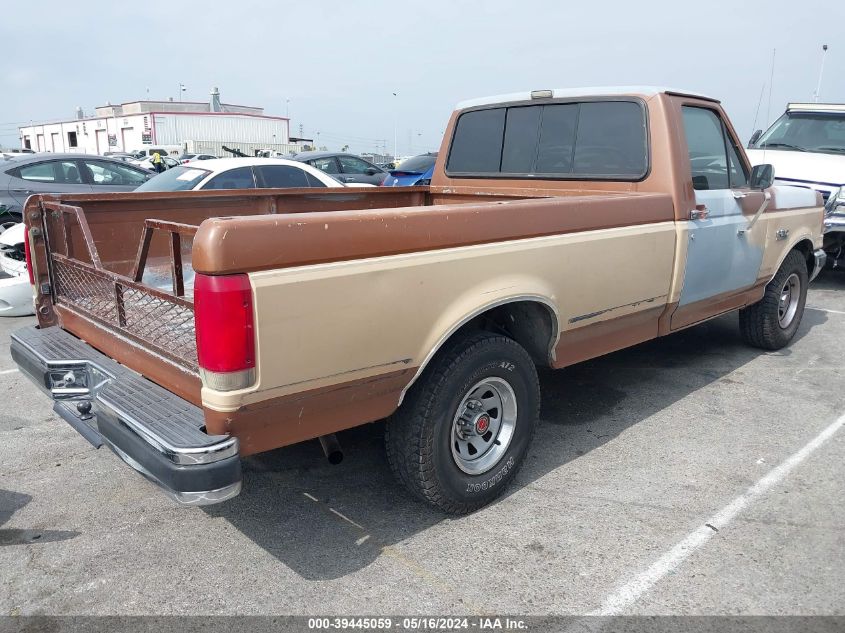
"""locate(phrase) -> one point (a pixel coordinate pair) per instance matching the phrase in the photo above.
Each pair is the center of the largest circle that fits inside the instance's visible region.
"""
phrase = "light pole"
(182, 89)
(287, 108)
(821, 73)
(395, 124)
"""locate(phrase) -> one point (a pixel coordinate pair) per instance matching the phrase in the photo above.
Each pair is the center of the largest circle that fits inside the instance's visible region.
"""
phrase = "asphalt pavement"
(688, 475)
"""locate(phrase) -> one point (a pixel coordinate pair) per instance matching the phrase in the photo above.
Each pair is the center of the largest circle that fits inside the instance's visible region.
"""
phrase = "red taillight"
(28, 257)
(225, 331)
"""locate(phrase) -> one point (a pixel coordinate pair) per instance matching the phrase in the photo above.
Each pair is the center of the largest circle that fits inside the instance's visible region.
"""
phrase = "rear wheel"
(771, 323)
(465, 426)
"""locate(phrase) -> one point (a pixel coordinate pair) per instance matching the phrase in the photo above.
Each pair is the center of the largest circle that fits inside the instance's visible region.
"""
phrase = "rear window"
(420, 164)
(181, 178)
(602, 140)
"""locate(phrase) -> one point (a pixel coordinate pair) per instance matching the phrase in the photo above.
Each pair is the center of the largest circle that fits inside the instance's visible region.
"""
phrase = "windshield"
(807, 132)
(180, 178)
(420, 163)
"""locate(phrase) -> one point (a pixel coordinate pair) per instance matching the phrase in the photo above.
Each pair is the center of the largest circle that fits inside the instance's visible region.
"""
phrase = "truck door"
(722, 257)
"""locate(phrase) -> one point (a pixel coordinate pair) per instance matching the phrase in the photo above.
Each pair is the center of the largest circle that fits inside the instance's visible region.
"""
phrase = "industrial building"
(172, 125)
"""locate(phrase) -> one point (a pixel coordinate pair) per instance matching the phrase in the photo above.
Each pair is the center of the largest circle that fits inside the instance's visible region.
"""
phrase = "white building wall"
(177, 128)
(92, 135)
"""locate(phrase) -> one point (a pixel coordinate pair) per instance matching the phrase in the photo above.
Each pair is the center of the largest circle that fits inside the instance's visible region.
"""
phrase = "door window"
(352, 165)
(328, 164)
(114, 174)
(706, 144)
(238, 178)
(280, 176)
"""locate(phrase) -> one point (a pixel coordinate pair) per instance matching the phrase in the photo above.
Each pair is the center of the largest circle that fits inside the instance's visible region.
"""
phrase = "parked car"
(16, 289)
(346, 168)
(187, 158)
(806, 145)
(242, 173)
(415, 171)
(607, 218)
(29, 174)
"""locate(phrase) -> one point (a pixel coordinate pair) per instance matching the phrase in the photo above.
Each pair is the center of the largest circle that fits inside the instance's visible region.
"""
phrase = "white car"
(15, 290)
(242, 173)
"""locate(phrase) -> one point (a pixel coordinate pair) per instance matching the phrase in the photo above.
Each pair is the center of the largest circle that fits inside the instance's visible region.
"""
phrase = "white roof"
(816, 107)
(565, 93)
(222, 164)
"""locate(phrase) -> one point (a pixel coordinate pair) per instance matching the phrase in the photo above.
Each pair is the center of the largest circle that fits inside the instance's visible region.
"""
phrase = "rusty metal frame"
(63, 210)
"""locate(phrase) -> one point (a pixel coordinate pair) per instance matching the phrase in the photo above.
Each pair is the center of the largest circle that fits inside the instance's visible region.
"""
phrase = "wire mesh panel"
(158, 320)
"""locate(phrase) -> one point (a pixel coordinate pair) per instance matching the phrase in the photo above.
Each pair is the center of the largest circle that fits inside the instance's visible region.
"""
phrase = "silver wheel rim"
(788, 304)
(483, 425)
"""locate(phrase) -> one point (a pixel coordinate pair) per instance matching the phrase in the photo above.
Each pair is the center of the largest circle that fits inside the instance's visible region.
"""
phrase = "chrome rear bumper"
(151, 429)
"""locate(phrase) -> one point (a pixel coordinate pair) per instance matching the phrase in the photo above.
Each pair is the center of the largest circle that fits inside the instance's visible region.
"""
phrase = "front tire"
(772, 322)
(463, 431)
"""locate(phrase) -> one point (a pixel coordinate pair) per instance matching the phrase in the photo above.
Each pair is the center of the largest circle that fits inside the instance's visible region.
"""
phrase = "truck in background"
(806, 146)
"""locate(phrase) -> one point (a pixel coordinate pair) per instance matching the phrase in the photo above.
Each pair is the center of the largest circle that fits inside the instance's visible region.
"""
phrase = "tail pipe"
(332, 449)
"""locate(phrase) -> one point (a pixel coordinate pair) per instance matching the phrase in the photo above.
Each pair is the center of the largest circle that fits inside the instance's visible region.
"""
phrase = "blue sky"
(336, 64)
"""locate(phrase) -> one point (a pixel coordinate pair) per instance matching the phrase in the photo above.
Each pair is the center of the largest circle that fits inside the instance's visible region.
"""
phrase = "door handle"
(21, 191)
(738, 195)
(699, 213)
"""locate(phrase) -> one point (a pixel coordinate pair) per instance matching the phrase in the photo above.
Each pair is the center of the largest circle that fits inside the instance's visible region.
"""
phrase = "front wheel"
(771, 323)
(464, 429)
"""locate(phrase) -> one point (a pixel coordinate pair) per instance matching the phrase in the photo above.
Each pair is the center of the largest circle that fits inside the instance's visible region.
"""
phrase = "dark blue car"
(415, 171)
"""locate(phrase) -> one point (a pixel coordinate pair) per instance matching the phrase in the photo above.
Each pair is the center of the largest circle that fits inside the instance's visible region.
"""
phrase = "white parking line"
(825, 310)
(631, 591)
(9, 371)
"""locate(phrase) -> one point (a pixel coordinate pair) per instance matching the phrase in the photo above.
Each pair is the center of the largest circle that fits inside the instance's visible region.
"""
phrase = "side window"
(706, 143)
(352, 165)
(63, 172)
(313, 181)
(103, 173)
(280, 176)
(477, 143)
(238, 178)
(739, 177)
(40, 172)
(328, 164)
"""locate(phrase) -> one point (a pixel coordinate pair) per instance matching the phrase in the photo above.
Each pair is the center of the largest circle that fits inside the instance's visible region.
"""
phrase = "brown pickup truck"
(186, 331)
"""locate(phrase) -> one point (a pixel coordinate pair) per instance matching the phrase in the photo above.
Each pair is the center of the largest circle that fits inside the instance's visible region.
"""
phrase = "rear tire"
(463, 431)
(772, 322)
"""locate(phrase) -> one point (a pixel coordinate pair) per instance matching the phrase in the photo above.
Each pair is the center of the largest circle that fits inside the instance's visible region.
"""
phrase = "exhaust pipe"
(332, 449)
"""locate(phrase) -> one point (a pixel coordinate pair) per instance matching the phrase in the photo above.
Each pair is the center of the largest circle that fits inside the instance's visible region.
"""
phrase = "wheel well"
(530, 323)
(805, 247)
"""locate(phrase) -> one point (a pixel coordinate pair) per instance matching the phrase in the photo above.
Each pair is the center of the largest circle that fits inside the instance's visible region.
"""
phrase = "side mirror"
(762, 176)
(371, 171)
(754, 138)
